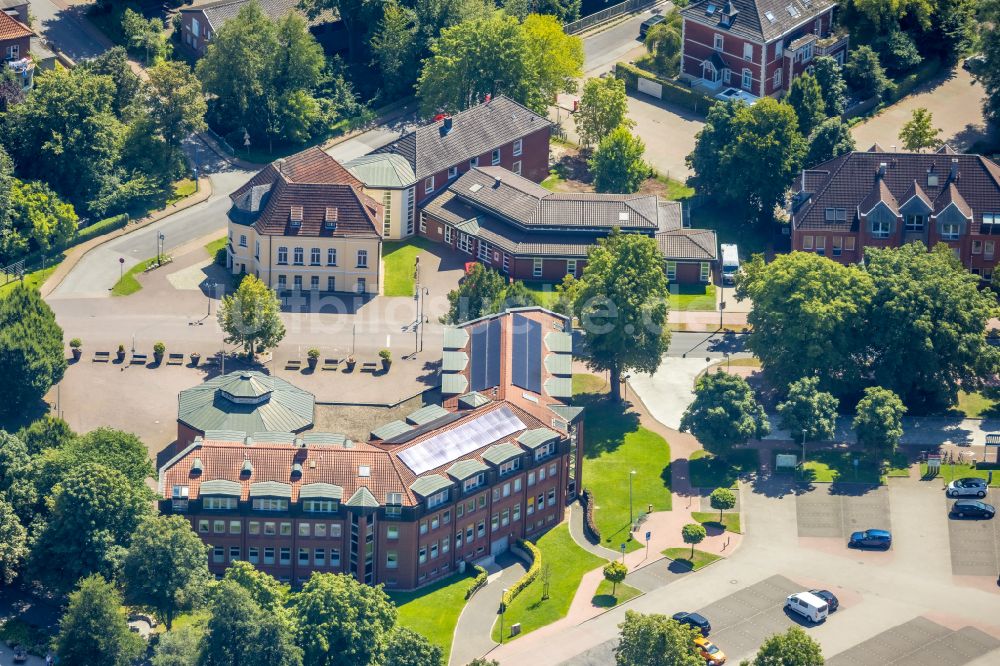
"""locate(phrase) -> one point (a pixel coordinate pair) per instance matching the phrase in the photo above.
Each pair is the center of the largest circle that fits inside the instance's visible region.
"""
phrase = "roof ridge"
(831, 176)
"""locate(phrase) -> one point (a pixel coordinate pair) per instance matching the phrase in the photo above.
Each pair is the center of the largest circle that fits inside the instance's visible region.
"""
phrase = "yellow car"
(709, 651)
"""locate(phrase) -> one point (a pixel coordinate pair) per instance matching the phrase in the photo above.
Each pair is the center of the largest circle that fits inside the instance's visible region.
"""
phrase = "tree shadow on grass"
(604, 601)
(606, 422)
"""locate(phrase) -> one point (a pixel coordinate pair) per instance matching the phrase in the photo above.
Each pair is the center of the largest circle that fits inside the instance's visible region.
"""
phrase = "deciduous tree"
(240, 633)
(177, 108)
(622, 305)
(93, 630)
(342, 622)
(865, 73)
(693, 533)
(179, 647)
(919, 132)
(555, 60)
(878, 421)
(477, 295)
(166, 567)
(722, 499)
(603, 108)
(266, 591)
(408, 647)
(792, 648)
(655, 640)
(830, 76)
(39, 221)
(663, 41)
(32, 357)
(13, 544)
(394, 48)
(251, 317)
(48, 432)
(809, 412)
(806, 97)
(832, 138)
(724, 413)
(614, 573)
(617, 164)
(144, 35)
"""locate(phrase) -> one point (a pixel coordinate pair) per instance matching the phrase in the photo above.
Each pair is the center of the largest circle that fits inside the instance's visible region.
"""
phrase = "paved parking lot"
(744, 619)
(919, 642)
(836, 510)
(975, 543)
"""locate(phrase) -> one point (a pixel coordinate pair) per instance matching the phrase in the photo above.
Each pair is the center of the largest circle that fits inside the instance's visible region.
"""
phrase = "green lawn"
(182, 188)
(951, 472)
(683, 555)
(400, 262)
(129, 283)
(433, 611)
(676, 190)
(708, 471)
(553, 180)
(692, 297)
(730, 228)
(33, 279)
(975, 405)
(604, 599)
(616, 445)
(730, 521)
(544, 293)
(215, 248)
(834, 466)
(898, 465)
(568, 563)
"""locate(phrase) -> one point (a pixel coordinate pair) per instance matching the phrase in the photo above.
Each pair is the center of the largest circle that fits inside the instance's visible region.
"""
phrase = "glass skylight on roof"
(770, 16)
(456, 442)
(793, 11)
(475, 187)
(710, 9)
(623, 216)
(364, 471)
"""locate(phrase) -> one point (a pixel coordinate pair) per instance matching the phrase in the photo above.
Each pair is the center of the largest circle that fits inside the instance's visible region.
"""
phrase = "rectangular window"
(392, 531)
(243, 240)
(517, 484)
(747, 79)
(950, 232)
(518, 147)
(705, 271)
(269, 555)
(482, 501)
(203, 526)
(452, 172)
(506, 490)
(319, 506)
(235, 526)
(505, 518)
(495, 522)
(423, 527)
(838, 244)
(282, 282)
(218, 503)
(434, 550)
(536, 268)
(496, 494)
(429, 185)
(331, 257)
(977, 247)
(516, 167)
(671, 270)
(435, 522)
(297, 282)
(531, 478)
(495, 157)
(362, 258)
(880, 228)
(218, 555)
(305, 529)
(256, 250)
(473, 482)
(422, 557)
(517, 512)
(303, 557)
(849, 243)
(531, 505)
(391, 559)
(552, 498)
(544, 451)
(807, 242)
(836, 214)
(821, 245)
(269, 529)
(314, 255)
(779, 49)
(717, 42)
(298, 256)
(285, 555)
(541, 473)
(474, 162)
(219, 526)
(331, 283)
(507, 468)
(748, 51)
(571, 267)
(319, 557)
(481, 529)
(469, 534)
(253, 554)
(445, 546)
(914, 222)
(285, 529)
(807, 52)
(314, 282)
(988, 249)
(777, 80)
(458, 539)
(362, 285)
(320, 530)
(460, 510)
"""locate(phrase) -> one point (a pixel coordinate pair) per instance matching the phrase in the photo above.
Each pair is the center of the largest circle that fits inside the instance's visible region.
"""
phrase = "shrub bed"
(530, 575)
(478, 582)
(674, 92)
(589, 526)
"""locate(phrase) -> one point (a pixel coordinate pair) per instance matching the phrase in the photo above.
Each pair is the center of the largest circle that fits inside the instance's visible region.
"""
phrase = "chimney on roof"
(496, 183)
(954, 169)
(489, 97)
(881, 169)
(280, 164)
(447, 124)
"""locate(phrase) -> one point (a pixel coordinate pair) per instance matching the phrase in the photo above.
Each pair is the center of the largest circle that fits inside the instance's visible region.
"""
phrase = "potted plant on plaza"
(195, 359)
(158, 350)
(120, 354)
(312, 358)
(350, 362)
(75, 347)
(386, 357)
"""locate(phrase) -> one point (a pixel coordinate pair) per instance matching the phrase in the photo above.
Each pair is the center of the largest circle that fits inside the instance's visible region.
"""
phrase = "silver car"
(967, 487)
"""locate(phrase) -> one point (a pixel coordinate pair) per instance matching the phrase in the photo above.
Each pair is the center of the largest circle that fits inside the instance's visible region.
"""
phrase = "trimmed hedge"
(925, 72)
(100, 228)
(478, 582)
(589, 525)
(529, 576)
(673, 92)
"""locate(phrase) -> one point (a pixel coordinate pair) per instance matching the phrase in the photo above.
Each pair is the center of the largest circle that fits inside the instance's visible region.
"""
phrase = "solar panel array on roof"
(485, 355)
(526, 354)
(455, 443)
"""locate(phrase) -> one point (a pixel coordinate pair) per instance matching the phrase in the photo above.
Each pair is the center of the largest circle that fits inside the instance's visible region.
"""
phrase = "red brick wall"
(698, 46)
(23, 45)
(534, 159)
(200, 44)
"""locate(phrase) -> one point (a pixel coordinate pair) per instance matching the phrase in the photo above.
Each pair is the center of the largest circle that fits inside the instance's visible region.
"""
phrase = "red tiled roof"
(11, 28)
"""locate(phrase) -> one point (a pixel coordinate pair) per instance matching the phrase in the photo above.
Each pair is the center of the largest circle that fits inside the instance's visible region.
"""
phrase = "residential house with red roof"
(304, 223)
(757, 46)
(15, 39)
(425, 496)
(880, 198)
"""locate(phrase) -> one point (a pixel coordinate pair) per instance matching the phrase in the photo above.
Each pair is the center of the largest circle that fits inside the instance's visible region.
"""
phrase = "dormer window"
(437, 499)
(932, 179)
(836, 214)
(364, 471)
(880, 228)
(545, 450)
(295, 216)
(393, 504)
(247, 468)
(474, 482)
(330, 218)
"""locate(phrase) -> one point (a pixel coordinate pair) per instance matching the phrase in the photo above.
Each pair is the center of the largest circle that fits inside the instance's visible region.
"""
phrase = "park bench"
(102, 357)
(175, 359)
(331, 363)
(369, 366)
(139, 359)
(293, 364)
(212, 360)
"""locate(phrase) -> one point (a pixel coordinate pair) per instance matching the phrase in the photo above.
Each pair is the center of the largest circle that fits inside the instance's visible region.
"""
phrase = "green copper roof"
(536, 437)
(427, 414)
(559, 387)
(463, 469)
(453, 383)
(473, 400)
(454, 361)
(246, 402)
(321, 491)
(455, 338)
(426, 486)
(559, 364)
(363, 497)
(326, 439)
(391, 429)
(566, 412)
(501, 453)
(557, 341)
(225, 435)
(386, 170)
(220, 487)
(273, 438)
(270, 489)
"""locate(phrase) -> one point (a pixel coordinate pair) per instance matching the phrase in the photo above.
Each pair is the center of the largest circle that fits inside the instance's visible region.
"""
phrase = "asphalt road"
(603, 49)
(63, 28)
(709, 345)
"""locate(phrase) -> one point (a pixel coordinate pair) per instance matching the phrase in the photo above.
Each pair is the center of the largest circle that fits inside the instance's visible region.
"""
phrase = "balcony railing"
(831, 44)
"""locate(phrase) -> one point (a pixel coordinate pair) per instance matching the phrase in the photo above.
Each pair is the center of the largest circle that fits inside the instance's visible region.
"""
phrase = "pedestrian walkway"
(475, 624)
(576, 517)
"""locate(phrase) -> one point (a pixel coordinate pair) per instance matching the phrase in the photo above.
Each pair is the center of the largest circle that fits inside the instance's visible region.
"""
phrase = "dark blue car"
(694, 620)
(871, 539)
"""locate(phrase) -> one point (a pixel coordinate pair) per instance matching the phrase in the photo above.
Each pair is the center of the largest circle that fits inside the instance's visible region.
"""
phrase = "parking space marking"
(824, 512)
(744, 619)
(919, 642)
(974, 543)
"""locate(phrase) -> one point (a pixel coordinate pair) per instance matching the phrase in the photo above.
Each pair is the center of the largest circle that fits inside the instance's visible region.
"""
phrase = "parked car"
(967, 487)
(709, 651)
(20, 655)
(808, 605)
(829, 597)
(871, 539)
(974, 63)
(649, 23)
(694, 620)
(973, 509)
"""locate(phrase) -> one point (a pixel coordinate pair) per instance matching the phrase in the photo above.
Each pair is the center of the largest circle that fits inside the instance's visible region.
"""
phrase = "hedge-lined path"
(472, 633)
(576, 517)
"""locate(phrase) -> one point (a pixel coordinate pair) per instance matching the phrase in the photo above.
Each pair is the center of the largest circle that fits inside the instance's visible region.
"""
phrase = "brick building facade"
(757, 46)
(886, 199)
(424, 497)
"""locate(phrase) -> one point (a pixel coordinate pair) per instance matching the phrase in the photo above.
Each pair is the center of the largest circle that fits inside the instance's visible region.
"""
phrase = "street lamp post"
(803, 448)
(631, 475)
(503, 609)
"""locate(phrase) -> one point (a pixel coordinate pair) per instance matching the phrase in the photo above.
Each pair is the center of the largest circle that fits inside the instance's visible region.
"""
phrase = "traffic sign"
(648, 535)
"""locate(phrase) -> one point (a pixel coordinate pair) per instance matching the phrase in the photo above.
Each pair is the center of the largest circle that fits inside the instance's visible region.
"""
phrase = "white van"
(730, 263)
(808, 605)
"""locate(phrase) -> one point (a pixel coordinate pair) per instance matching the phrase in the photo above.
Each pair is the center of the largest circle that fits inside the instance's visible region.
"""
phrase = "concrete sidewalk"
(475, 624)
